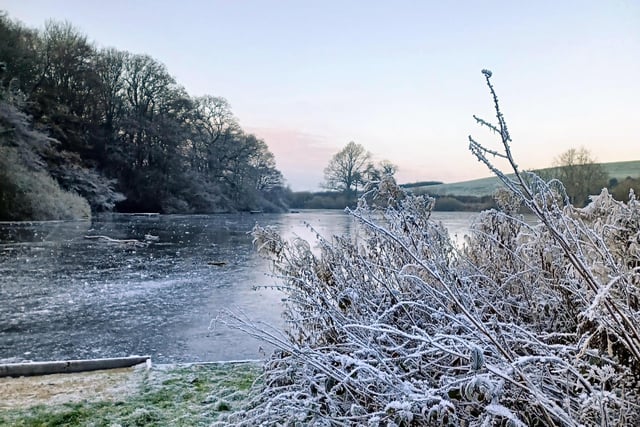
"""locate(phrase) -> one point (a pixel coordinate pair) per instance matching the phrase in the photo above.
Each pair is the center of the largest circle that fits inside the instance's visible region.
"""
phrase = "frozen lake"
(63, 296)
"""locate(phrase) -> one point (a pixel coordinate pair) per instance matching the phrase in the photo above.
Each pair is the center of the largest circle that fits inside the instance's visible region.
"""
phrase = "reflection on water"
(65, 297)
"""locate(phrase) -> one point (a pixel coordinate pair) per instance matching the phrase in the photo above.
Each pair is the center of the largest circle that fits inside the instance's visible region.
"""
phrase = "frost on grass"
(165, 395)
(523, 325)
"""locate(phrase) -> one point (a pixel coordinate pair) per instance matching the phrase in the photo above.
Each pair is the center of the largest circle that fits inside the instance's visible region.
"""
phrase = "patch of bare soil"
(106, 385)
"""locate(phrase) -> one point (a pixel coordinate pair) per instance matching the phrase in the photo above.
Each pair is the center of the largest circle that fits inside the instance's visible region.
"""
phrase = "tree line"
(116, 129)
(351, 170)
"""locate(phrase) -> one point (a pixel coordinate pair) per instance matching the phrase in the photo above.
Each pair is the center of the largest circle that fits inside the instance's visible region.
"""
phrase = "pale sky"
(402, 78)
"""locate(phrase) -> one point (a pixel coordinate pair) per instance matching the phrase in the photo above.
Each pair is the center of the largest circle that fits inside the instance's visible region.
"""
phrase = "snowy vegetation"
(27, 190)
(521, 325)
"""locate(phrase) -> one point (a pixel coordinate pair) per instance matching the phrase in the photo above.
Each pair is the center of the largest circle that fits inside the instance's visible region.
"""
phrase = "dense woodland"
(83, 126)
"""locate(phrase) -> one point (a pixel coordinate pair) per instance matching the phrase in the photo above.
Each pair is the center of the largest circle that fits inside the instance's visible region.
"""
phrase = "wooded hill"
(84, 126)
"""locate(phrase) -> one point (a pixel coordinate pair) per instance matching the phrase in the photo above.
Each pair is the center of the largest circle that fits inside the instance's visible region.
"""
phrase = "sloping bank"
(185, 394)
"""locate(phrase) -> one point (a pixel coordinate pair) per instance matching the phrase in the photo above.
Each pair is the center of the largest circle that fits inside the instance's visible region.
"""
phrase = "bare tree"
(377, 172)
(346, 168)
(579, 173)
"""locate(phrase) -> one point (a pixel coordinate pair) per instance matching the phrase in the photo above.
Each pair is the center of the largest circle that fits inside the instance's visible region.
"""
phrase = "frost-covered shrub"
(32, 194)
(27, 190)
(523, 325)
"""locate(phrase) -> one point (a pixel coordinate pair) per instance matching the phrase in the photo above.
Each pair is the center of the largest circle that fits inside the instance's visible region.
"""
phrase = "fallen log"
(133, 242)
(218, 263)
(26, 369)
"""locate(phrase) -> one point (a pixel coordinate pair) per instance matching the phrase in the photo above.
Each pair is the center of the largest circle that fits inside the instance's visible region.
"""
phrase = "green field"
(486, 186)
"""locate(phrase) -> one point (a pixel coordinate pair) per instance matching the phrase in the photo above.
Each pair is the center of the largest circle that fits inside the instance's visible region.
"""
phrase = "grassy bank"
(187, 395)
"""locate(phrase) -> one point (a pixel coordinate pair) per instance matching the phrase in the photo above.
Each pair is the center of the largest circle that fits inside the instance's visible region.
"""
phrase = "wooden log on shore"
(68, 366)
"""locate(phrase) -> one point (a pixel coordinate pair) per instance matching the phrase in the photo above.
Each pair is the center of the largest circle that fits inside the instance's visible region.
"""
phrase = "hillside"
(486, 186)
